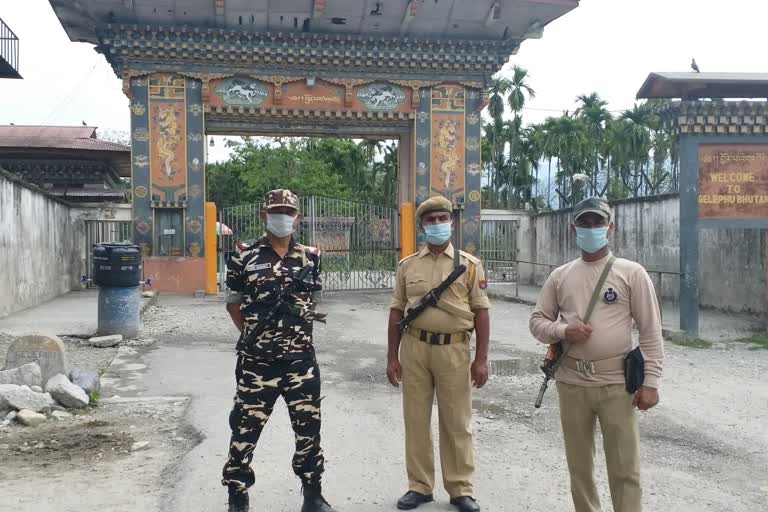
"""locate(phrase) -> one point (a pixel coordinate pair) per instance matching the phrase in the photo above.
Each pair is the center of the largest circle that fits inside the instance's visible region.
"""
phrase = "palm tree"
(571, 140)
(518, 89)
(592, 111)
(496, 94)
(639, 122)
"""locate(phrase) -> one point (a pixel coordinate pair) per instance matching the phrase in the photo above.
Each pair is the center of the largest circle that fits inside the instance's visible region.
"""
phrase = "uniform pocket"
(416, 287)
(459, 287)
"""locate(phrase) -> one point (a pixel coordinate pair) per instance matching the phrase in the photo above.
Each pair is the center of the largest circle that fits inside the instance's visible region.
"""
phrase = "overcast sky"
(608, 46)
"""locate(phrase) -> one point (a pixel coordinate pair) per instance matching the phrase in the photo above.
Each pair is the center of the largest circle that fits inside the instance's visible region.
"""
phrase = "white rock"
(22, 397)
(60, 415)
(89, 380)
(140, 445)
(30, 418)
(27, 374)
(66, 393)
(105, 341)
(11, 416)
(36, 389)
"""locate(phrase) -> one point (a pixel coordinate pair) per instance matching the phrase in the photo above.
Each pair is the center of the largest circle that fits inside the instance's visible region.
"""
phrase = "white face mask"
(279, 224)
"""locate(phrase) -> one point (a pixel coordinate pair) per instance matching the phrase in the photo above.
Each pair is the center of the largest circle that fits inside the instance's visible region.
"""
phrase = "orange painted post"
(407, 230)
(211, 253)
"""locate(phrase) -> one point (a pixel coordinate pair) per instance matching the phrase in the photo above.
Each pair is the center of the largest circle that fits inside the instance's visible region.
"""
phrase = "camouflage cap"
(281, 197)
(592, 205)
(434, 204)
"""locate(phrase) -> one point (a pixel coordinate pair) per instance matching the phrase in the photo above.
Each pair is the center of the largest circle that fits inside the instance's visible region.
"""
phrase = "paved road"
(704, 447)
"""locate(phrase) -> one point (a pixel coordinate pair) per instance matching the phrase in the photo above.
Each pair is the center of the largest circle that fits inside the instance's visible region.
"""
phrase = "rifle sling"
(590, 308)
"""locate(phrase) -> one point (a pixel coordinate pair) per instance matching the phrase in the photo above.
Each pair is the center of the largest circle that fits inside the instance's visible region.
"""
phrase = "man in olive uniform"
(433, 356)
(280, 361)
(591, 383)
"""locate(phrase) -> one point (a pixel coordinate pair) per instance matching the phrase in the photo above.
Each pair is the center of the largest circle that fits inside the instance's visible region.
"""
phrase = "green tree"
(593, 113)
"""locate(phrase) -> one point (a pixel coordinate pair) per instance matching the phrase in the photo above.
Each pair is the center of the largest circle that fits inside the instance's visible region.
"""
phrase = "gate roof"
(495, 28)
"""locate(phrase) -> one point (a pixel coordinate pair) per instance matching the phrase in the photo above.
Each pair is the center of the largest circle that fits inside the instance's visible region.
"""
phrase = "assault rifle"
(552, 362)
(431, 298)
(301, 282)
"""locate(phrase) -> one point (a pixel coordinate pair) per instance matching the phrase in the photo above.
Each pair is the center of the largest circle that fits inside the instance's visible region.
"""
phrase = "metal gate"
(98, 231)
(358, 241)
(499, 250)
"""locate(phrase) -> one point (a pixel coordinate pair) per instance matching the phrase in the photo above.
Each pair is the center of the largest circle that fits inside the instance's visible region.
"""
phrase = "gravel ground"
(704, 447)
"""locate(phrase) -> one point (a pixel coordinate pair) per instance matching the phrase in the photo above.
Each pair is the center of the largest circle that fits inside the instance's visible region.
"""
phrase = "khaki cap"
(281, 197)
(434, 204)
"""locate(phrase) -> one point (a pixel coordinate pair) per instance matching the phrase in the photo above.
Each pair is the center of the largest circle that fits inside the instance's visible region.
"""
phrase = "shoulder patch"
(245, 245)
(471, 258)
(407, 257)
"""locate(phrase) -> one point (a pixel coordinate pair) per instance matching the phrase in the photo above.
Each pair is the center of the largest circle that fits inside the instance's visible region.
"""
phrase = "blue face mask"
(591, 240)
(280, 225)
(438, 234)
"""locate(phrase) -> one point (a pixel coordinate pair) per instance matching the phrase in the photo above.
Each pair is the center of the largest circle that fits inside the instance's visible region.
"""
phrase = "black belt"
(437, 338)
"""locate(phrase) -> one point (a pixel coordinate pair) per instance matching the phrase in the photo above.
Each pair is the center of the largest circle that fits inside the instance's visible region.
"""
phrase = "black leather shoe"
(413, 499)
(313, 499)
(465, 504)
(238, 500)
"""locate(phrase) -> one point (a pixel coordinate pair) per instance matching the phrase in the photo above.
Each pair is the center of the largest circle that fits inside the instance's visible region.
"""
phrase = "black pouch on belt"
(634, 370)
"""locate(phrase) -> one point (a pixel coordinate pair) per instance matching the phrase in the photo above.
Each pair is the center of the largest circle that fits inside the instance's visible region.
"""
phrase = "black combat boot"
(313, 499)
(238, 500)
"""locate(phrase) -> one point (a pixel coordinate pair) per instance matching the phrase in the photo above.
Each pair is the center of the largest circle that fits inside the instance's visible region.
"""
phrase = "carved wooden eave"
(125, 46)
(300, 113)
(716, 117)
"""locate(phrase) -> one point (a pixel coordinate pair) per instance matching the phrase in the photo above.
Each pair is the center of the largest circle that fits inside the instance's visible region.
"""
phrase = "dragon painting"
(168, 140)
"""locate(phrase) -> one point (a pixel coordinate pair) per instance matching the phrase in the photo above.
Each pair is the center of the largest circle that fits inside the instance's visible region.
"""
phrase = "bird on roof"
(695, 66)
(84, 123)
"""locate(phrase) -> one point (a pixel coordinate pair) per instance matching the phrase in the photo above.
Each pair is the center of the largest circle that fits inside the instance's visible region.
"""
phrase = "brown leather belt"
(593, 367)
(437, 338)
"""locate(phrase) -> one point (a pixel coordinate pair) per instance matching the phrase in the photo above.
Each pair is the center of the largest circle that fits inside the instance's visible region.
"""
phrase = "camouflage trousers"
(259, 384)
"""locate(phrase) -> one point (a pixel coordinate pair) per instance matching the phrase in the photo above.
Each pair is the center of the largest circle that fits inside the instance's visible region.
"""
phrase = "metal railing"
(359, 241)
(100, 231)
(9, 51)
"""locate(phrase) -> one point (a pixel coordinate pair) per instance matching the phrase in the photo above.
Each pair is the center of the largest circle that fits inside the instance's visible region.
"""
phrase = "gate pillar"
(168, 169)
(446, 143)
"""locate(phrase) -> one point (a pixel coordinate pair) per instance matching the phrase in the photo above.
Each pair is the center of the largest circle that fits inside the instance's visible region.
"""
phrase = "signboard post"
(723, 185)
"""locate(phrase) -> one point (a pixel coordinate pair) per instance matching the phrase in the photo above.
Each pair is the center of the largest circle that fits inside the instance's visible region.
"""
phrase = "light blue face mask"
(438, 234)
(279, 224)
(591, 240)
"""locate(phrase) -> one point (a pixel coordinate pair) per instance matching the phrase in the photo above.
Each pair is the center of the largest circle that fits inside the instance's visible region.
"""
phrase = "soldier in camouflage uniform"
(281, 360)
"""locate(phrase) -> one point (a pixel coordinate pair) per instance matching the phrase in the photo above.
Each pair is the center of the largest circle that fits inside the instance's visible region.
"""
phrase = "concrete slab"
(71, 314)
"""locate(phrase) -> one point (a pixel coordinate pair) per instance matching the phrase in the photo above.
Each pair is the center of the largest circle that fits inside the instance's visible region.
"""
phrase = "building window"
(169, 232)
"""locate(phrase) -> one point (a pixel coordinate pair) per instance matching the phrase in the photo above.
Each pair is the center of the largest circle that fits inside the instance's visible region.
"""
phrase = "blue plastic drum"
(119, 311)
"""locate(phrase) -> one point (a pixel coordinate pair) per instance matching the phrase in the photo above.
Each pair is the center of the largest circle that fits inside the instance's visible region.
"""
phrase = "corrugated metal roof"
(57, 137)
(87, 192)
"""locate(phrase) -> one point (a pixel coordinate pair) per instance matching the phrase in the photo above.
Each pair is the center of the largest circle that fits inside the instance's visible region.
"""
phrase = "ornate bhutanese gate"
(414, 70)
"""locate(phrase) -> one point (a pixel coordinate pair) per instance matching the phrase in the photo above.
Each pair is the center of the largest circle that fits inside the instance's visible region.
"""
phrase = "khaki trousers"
(443, 369)
(580, 406)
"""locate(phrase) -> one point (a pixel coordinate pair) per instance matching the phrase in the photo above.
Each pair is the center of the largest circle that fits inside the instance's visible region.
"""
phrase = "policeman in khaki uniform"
(433, 356)
(591, 383)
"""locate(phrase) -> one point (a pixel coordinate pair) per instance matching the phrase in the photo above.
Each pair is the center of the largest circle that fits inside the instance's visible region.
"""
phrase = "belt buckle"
(585, 367)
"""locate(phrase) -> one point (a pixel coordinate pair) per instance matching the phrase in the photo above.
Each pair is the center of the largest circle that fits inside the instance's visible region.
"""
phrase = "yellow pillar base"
(211, 252)
(407, 230)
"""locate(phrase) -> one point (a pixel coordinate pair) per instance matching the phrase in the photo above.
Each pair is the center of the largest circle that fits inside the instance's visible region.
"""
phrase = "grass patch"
(757, 341)
(697, 343)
